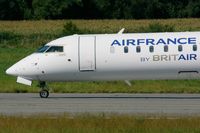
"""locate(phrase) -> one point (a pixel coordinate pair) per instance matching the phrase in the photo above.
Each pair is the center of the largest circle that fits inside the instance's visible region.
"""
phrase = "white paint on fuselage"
(115, 65)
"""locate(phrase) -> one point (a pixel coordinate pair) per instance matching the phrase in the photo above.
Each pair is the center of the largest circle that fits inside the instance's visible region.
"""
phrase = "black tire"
(44, 93)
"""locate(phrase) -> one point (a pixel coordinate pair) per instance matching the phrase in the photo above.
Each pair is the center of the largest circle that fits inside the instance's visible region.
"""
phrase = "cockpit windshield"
(42, 49)
(50, 49)
(55, 49)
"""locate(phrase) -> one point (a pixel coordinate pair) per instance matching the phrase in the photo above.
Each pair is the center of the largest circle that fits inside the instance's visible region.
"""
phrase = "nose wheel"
(44, 93)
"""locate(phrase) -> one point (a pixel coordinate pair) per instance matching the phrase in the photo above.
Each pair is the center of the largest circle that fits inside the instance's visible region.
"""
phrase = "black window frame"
(42, 49)
(126, 49)
(194, 47)
(166, 48)
(151, 49)
(60, 49)
(138, 49)
(180, 48)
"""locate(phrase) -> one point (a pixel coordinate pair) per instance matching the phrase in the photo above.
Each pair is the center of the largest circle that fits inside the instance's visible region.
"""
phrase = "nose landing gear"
(44, 93)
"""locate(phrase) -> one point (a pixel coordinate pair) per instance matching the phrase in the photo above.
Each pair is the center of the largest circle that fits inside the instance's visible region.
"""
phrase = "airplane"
(121, 56)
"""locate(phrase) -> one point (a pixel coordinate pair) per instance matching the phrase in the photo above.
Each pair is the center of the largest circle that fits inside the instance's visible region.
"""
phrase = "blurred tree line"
(98, 9)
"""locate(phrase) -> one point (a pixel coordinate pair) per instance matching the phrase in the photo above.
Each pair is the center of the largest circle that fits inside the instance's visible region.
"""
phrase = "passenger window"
(112, 49)
(126, 49)
(180, 48)
(165, 48)
(151, 49)
(194, 47)
(55, 49)
(138, 49)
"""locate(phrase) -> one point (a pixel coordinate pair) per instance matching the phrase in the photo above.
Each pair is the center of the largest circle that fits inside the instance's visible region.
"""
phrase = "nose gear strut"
(44, 93)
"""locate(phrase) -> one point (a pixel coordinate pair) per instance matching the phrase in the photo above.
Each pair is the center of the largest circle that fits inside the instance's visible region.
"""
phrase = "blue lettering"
(188, 57)
(115, 42)
(160, 41)
(193, 56)
(139, 41)
(150, 41)
(170, 41)
(181, 57)
(123, 42)
(192, 40)
(182, 40)
(130, 41)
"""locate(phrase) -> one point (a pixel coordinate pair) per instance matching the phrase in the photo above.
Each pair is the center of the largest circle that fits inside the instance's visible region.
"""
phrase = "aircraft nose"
(28, 67)
(11, 71)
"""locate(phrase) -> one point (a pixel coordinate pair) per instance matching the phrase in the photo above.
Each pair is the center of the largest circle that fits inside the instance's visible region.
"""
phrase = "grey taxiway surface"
(148, 104)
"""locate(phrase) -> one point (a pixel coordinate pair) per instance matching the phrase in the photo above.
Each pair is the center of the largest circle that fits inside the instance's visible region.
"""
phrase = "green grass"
(20, 38)
(86, 123)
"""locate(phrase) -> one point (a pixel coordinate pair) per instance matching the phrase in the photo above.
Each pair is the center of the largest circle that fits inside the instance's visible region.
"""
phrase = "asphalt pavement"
(143, 104)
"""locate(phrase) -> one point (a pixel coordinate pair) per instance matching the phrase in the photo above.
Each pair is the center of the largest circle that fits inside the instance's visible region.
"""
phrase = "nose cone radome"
(27, 67)
(11, 71)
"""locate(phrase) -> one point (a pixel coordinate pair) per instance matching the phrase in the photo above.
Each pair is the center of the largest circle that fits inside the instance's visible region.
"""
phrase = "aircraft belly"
(119, 75)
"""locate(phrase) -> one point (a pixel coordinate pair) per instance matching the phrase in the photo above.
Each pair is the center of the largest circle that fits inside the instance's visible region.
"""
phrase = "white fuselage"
(115, 57)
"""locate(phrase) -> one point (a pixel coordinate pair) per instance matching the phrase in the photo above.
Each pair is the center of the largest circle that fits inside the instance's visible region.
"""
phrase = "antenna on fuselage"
(128, 83)
(121, 31)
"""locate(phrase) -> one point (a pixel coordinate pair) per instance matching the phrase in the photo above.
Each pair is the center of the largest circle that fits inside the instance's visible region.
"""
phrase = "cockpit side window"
(42, 49)
(55, 49)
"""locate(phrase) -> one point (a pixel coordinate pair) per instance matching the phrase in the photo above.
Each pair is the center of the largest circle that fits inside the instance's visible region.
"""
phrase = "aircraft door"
(87, 53)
